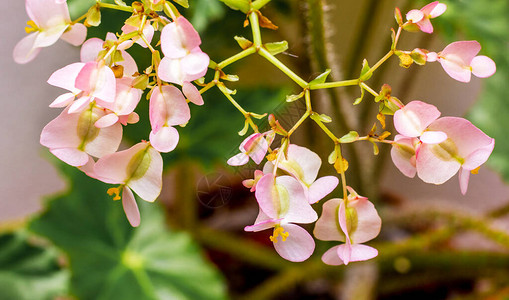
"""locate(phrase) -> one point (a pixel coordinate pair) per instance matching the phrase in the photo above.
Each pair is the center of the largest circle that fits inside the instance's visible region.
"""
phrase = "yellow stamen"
(32, 27)
(279, 231)
(476, 170)
(116, 192)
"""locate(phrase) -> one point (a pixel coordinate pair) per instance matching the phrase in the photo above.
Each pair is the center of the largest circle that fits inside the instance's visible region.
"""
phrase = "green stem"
(242, 249)
(307, 96)
(379, 63)
(334, 84)
(255, 27)
(278, 64)
(342, 173)
(222, 88)
(326, 130)
(286, 280)
(370, 90)
(236, 57)
(116, 7)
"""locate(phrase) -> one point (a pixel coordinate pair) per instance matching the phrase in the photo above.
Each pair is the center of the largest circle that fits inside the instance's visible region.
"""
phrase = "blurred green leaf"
(205, 11)
(486, 21)
(111, 260)
(29, 272)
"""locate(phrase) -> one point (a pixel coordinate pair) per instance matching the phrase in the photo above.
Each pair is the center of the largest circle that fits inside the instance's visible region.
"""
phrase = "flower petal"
(165, 140)
(66, 77)
(403, 154)
(25, 50)
(414, 15)
(192, 93)
(63, 100)
(168, 107)
(438, 10)
(112, 168)
(291, 193)
(457, 71)
(330, 257)
(178, 38)
(149, 186)
(130, 207)
(356, 252)
(433, 137)
(170, 70)
(238, 160)
(301, 163)
(195, 65)
(414, 118)
(483, 66)
(368, 222)
(461, 52)
(71, 156)
(464, 175)
(106, 121)
(326, 228)
(435, 165)
(298, 246)
(47, 13)
(321, 188)
(76, 35)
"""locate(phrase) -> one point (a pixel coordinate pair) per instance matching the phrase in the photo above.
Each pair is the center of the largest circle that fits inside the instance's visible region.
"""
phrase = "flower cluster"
(437, 148)
(104, 89)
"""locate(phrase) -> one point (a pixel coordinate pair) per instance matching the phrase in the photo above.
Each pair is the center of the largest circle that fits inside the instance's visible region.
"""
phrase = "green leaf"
(79, 7)
(364, 72)
(291, 98)
(29, 272)
(350, 137)
(243, 42)
(242, 5)
(324, 118)
(320, 78)
(111, 260)
(276, 47)
(93, 16)
(204, 12)
(359, 100)
(183, 3)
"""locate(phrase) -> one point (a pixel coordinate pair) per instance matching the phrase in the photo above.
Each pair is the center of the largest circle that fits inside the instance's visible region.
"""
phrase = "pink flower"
(422, 17)
(86, 82)
(138, 168)
(403, 154)
(465, 149)
(254, 146)
(92, 47)
(436, 148)
(251, 183)
(283, 202)
(184, 61)
(73, 137)
(413, 120)
(358, 223)
(122, 110)
(49, 21)
(459, 60)
(304, 164)
(168, 108)
(148, 32)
